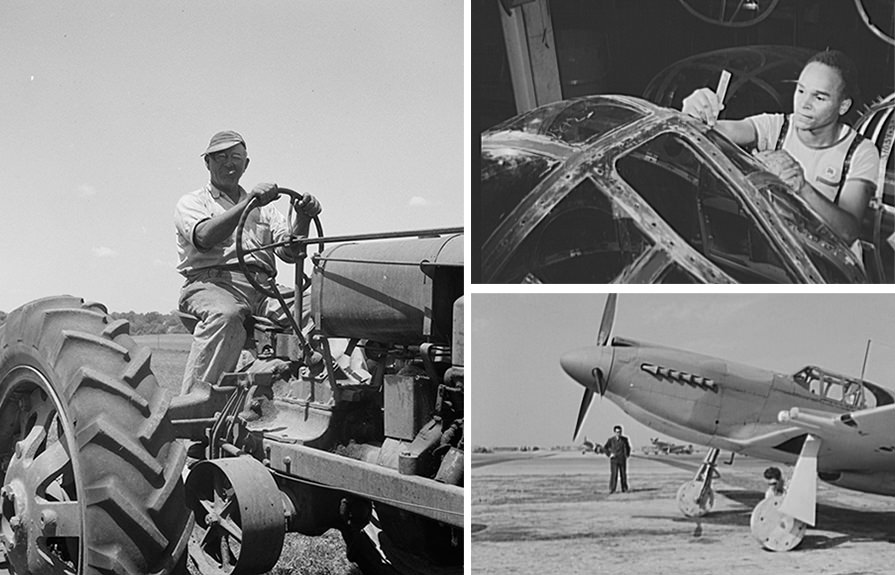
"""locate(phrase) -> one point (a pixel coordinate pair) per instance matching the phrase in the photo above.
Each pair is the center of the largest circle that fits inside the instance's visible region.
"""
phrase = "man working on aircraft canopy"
(216, 291)
(823, 160)
(618, 448)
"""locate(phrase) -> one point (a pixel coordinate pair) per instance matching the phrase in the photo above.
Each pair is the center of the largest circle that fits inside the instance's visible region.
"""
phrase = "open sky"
(106, 106)
(521, 396)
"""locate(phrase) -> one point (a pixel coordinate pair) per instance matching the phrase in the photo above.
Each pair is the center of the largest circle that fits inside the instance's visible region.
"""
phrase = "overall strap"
(783, 131)
(846, 164)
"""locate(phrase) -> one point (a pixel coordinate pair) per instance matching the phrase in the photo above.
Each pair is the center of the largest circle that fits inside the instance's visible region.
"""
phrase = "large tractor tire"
(396, 542)
(90, 468)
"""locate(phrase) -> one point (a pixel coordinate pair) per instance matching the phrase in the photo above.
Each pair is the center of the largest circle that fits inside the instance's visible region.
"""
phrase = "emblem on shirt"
(830, 176)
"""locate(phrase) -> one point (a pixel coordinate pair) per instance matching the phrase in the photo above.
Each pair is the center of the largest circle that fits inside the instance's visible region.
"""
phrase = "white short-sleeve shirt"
(822, 166)
(263, 226)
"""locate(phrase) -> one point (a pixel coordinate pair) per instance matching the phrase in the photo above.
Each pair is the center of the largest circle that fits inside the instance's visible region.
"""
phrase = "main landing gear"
(778, 524)
(774, 529)
(696, 497)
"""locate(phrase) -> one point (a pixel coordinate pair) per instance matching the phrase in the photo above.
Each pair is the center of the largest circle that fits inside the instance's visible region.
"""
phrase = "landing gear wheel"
(89, 464)
(775, 530)
(238, 506)
(692, 501)
(395, 542)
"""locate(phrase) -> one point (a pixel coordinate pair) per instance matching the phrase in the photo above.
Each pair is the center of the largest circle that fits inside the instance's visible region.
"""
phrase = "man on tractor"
(217, 291)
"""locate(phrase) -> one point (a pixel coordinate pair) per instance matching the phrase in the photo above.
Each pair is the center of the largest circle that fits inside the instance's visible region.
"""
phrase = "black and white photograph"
(683, 433)
(231, 297)
(683, 142)
(254, 252)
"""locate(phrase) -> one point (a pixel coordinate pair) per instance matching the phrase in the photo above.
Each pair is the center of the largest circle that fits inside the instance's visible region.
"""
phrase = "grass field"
(324, 555)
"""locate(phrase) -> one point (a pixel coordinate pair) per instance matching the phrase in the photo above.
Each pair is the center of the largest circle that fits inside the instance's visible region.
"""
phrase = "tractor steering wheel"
(242, 252)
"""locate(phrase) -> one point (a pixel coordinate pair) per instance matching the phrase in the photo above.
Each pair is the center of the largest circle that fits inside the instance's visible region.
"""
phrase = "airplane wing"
(859, 440)
(768, 440)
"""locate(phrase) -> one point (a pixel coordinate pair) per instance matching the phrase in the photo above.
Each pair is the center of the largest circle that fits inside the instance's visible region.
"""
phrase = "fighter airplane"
(588, 446)
(834, 427)
(664, 447)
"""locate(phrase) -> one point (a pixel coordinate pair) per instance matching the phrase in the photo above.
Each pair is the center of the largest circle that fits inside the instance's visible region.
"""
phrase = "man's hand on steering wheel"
(304, 210)
(265, 193)
(309, 206)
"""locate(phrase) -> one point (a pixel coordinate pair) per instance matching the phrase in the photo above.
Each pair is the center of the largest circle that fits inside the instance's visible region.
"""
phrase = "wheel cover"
(775, 530)
(237, 506)
(42, 518)
(692, 501)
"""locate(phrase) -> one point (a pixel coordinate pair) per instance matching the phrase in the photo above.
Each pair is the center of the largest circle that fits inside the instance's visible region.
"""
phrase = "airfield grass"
(323, 555)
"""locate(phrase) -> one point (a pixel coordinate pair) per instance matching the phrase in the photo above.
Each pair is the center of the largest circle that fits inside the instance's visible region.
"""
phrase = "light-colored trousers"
(222, 300)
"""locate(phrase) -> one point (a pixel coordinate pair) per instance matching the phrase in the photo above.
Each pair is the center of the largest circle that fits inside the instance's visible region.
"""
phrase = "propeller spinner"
(591, 365)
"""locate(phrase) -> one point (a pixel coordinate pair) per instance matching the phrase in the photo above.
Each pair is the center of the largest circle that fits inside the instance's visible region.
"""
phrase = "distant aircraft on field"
(589, 446)
(666, 448)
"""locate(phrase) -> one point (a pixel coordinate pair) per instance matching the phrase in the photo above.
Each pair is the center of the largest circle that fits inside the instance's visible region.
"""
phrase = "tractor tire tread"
(133, 497)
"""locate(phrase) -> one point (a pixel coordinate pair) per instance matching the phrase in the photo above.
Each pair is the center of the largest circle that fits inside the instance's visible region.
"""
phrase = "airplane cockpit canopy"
(851, 391)
(608, 189)
(573, 122)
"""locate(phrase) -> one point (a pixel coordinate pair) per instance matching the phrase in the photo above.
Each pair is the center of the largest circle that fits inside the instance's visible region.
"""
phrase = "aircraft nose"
(581, 365)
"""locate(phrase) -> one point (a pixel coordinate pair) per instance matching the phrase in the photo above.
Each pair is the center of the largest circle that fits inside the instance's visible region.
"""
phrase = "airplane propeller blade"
(603, 335)
(582, 411)
(608, 320)
(587, 399)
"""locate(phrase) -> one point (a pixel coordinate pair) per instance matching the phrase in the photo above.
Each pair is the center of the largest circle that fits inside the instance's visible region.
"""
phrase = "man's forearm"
(740, 132)
(215, 230)
(302, 229)
(842, 222)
